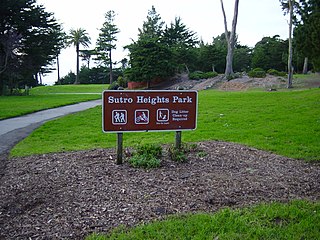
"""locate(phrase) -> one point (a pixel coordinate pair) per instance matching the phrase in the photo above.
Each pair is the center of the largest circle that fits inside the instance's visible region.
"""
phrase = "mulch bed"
(70, 195)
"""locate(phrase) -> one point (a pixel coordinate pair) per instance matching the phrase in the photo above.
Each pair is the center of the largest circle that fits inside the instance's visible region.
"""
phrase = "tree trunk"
(58, 69)
(230, 39)
(77, 74)
(110, 69)
(290, 68)
(305, 66)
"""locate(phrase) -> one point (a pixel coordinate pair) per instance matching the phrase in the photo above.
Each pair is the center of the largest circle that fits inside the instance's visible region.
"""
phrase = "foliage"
(30, 39)
(270, 53)
(181, 41)
(122, 82)
(306, 33)
(144, 161)
(95, 75)
(292, 129)
(201, 75)
(146, 156)
(294, 220)
(150, 149)
(114, 85)
(106, 41)
(158, 52)
(149, 59)
(276, 73)
(177, 155)
(76, 38)
(257, 73)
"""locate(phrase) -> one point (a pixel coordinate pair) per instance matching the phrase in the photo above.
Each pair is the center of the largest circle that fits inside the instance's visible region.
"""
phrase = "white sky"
(256, 19)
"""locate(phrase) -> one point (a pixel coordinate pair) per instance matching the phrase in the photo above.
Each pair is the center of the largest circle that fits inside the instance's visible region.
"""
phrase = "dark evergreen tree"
(270, 53)
(106, 42)
(307, 34)
(30, 39)
(181, 41)
(150, 58)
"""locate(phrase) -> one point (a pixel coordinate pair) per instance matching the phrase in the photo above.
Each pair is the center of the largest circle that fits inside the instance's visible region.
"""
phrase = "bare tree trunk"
(305, 66)
(58, 69)
(290, 68)
(77, 75)
(110, 69)
(230, 39)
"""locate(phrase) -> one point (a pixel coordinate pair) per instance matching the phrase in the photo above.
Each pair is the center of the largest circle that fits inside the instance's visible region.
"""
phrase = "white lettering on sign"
(152, 100)
(112, 99)
(176, 99)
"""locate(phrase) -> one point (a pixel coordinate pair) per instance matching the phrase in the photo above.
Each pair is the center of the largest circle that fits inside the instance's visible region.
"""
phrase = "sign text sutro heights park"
(149, 110)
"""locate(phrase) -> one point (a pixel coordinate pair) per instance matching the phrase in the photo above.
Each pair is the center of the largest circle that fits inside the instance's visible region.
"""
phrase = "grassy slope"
(46, 97)
(295, 220)
(286, 123)
(81, 88)
(20, 105)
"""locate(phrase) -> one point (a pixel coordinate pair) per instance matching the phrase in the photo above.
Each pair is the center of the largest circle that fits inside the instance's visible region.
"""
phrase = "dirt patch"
(69, 195)
(242, 83)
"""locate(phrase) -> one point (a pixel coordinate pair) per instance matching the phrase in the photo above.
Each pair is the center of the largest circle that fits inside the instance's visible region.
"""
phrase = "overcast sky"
(256, 19)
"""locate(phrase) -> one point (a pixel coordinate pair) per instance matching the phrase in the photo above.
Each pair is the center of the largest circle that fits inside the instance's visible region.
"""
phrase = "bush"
(257, 73)
(179, 155)
(144, 161)
(150, 149)
(122, 82)
(146, 156)
(276, 73)
(114, 86)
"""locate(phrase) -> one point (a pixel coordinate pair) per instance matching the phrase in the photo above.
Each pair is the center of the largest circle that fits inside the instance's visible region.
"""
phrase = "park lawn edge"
(296, 219)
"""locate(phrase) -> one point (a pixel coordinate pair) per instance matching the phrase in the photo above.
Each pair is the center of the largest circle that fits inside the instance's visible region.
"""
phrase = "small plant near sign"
(202, 154)
(146, 156)
(179, 154)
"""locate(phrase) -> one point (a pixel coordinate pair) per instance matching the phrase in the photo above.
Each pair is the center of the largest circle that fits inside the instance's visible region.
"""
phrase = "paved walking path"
(13, 130)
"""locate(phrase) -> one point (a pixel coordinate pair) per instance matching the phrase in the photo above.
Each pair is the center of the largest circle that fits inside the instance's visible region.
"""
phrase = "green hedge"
(257, 73)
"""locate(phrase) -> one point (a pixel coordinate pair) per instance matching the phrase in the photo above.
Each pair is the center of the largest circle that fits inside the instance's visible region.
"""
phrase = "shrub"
(114, 86)
(150, 149)
(122, 82)
(195, 75)
(179, 155)
(210, 74)
(144, 161)
(146, 156)
(257, 73)
(276, 73)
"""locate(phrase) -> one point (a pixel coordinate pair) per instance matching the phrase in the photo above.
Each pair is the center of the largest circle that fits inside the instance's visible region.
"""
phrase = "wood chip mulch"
(70, 195)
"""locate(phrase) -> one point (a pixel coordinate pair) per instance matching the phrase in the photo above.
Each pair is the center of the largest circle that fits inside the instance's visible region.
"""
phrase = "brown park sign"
(125, 111)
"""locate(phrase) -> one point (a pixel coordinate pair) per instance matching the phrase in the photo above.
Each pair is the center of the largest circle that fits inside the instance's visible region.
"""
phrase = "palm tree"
(76, 38)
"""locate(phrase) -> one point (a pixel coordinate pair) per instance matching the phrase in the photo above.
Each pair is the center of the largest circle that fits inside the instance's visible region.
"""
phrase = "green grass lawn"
(286, 123)
(80, 88)
(295, 220)
(45, 97)
(13, 106)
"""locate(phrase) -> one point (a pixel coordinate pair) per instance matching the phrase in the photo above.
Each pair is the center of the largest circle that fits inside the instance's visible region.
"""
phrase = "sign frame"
(121, 118)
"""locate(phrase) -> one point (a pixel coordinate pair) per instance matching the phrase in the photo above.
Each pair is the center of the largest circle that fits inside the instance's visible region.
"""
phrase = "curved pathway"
(13, 130)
